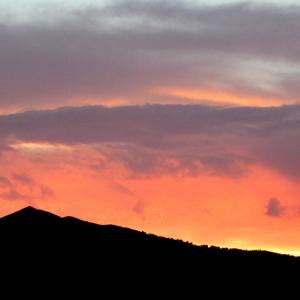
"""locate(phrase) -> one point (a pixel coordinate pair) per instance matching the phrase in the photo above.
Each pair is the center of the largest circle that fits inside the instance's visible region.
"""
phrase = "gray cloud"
(182, 140)
(274, 208)
(129, 48)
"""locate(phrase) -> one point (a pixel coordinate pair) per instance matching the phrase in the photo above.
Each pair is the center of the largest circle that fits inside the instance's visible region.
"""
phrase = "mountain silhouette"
(33, 239)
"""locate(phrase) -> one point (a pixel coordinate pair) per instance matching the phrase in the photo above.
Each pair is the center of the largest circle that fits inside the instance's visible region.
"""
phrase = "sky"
(178, 118)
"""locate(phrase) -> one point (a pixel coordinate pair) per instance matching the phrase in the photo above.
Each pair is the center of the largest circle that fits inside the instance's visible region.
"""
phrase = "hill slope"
(34, 235)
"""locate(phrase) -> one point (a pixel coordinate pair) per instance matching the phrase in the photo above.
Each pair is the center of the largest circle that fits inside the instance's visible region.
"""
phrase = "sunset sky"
(180, 118)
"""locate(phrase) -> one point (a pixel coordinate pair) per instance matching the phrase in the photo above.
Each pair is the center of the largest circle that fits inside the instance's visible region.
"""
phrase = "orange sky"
(181, 120)
(228, 212)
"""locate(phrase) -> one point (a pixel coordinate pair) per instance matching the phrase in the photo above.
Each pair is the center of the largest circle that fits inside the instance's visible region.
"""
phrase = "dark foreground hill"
(43, 243)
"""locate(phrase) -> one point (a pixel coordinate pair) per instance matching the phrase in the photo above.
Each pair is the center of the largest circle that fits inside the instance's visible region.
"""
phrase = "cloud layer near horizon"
(133, 51)
(166, 139)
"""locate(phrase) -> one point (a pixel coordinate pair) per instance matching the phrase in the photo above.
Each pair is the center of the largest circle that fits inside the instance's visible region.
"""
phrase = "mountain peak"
(30, 214)
(27, 209)
(31, 210)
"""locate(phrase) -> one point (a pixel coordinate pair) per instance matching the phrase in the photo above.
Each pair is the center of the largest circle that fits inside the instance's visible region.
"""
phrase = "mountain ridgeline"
(47, 240)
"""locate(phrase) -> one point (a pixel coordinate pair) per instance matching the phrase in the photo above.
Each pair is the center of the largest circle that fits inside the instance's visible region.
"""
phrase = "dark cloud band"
(155, 139)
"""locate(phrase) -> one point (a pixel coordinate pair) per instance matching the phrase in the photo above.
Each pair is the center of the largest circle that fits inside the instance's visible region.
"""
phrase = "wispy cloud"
(22, 187)
(139, 206)
(4, 182)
